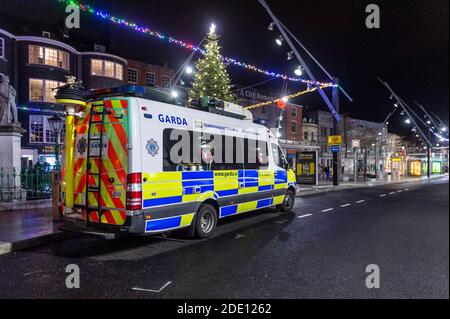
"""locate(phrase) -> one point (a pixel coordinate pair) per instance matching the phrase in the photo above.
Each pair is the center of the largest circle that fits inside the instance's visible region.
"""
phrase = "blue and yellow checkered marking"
(169, 188)
(165, 224)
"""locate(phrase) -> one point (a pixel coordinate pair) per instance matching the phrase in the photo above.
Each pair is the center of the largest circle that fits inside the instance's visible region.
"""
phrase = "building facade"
(144, 74)
(286, 123)
(36, 65)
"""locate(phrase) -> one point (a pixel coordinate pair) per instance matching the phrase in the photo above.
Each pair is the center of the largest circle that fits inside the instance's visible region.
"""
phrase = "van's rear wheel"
(288, 202)
(206, 221)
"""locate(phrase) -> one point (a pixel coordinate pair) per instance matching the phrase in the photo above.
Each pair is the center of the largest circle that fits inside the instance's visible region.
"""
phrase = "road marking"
(406, 189)
(239, 236)
(391, 193)
(304, 216)
(399, 191)
(360, 201)
(327, 210)
(346, 205)
(383, 195)
(151, 290)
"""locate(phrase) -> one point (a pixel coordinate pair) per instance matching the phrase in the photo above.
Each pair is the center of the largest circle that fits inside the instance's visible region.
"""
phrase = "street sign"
(356, 143)
(335, 148)
(334, 140)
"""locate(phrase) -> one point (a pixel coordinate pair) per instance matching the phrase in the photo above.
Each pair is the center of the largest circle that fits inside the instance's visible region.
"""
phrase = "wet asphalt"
(320, 250)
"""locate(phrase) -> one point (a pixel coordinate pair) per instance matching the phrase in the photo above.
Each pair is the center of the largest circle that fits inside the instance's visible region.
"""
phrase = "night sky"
(410, 51)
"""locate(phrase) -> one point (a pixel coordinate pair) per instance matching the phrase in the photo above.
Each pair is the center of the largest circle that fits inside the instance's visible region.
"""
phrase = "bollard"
(56, 190)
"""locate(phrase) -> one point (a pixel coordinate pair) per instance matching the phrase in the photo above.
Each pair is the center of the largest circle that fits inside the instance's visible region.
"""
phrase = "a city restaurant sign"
(254, 95)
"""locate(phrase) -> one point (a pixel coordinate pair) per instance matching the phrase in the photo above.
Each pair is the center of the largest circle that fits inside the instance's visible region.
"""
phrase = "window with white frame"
(294, 111)
(41, 132)
(2, 48)
(133, 75)
(166, 81)
(150, 78)
(42, 90)
(106, 68)
(48, 56)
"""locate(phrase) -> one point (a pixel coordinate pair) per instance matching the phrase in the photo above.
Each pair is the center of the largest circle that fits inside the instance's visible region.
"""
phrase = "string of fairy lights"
(286, 98)
(146, 30)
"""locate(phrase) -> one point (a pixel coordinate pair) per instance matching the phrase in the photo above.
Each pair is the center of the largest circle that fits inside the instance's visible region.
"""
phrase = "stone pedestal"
(10, 137)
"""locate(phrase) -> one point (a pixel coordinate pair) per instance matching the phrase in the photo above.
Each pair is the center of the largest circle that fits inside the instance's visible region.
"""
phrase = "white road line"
(399, 191)
(151, 290)
(304, 216)
(391, 193)
(360, 201)
(346, 205)
(327, 210)
(406, 189)
(383, 195)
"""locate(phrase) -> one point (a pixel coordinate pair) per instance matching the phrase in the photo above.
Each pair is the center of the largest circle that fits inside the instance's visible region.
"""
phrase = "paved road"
(321, 250)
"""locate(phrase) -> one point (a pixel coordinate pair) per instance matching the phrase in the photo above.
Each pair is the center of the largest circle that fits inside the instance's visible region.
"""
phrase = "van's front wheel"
(206, 221)
(288, 202)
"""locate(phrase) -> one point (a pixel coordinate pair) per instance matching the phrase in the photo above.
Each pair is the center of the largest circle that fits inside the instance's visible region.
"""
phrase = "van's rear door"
(101, 166)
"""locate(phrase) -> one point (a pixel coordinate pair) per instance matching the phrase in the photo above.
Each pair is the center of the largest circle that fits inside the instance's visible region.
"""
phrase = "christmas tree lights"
(211, 78)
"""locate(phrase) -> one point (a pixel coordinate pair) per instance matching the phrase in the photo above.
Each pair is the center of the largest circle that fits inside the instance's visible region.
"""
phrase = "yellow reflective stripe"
(70, 159)
(226, 180)
(162, 185)
(246, 207)
(266, 178)
(280, 186)
(278, 200)
(186, 220)
(191, 198)
(70, 101)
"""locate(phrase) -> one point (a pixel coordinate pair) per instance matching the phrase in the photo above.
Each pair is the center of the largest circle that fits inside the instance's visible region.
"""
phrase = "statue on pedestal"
(8, 108)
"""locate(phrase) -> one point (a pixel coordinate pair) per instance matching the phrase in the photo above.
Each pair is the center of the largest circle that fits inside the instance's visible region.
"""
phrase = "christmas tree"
(211, 78)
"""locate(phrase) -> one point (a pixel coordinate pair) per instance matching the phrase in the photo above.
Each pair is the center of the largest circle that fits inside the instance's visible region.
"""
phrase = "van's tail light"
(134, 191)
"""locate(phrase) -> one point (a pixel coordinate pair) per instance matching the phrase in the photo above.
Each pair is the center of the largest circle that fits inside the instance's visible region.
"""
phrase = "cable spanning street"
(320, 250)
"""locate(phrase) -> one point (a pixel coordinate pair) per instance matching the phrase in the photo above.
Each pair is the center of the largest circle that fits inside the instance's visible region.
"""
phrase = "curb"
(314, 191)
(9, 247)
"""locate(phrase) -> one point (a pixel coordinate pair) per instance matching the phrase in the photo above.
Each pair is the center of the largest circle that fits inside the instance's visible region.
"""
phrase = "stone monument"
(10, 128)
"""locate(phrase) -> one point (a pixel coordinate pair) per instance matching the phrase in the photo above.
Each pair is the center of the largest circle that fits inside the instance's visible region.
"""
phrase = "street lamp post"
(56, 124)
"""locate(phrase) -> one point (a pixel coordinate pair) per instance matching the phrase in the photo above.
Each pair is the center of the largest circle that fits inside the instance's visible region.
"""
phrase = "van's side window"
(278, 156)
(193, 151)
(255, 154)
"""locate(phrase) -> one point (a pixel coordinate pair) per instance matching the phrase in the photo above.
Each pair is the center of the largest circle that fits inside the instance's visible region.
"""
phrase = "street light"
(298, 71)
(408, 121)
(189, 70)
(279, 40)
(56, 124)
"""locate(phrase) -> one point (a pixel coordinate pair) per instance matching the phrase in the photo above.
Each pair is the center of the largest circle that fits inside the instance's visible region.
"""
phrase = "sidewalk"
(27, 228)
(329, 187)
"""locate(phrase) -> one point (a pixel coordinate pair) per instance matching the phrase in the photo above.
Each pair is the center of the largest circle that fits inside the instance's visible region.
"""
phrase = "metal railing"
(31, 183)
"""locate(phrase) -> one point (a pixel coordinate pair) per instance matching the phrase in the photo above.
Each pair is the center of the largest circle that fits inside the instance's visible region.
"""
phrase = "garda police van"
(134, 162)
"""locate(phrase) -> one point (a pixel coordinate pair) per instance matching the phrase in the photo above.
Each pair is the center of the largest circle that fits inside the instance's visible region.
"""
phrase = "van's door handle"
(197, 189)
(241, 185)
